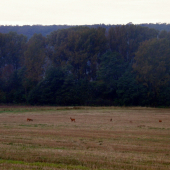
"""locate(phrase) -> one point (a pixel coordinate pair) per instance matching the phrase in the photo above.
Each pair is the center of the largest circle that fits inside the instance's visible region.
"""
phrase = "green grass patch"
(42, 164)
(36, 109)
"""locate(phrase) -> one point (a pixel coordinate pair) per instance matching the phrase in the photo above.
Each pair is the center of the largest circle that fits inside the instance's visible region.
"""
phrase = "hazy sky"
(81, 12)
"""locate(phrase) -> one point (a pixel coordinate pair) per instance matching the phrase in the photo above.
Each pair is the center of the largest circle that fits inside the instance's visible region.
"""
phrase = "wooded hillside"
(86, 65)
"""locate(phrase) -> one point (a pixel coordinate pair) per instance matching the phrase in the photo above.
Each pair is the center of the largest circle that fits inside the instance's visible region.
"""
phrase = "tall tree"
(11, 49)
(11, 52)
(130, 92)
(34, 57)
(127, 38)
(78, 47)
(112, 67)
(152, 63)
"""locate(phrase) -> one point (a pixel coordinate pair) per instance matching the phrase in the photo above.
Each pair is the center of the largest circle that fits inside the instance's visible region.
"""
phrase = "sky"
(83, 12)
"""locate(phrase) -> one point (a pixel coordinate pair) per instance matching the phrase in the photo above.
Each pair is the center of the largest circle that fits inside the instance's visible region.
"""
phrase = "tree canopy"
(86, 65)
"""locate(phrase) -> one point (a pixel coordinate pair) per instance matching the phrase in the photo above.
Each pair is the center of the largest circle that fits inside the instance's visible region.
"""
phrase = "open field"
(133, 140)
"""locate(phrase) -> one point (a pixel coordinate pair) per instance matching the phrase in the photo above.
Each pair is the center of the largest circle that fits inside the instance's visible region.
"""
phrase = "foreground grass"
(134, 139)
(36, 165)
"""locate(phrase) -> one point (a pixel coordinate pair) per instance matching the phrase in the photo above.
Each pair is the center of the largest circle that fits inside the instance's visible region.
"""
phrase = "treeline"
(45, 30)
(29, 31)
(125, 65)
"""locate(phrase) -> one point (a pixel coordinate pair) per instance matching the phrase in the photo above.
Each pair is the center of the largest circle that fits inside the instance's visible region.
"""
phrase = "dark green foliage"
(88, 65)
(152, 63)
(46, 91)
(16, 93)
(34, 57)
(11, 49)
(112, 67)
(78, 47)
(164, 34)
(2, 92)
(12, 90)
(59, 88)
(163, 99)
(127, 38)
(130, 92)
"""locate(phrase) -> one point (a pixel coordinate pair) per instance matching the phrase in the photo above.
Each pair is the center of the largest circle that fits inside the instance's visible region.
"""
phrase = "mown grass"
(135, 139)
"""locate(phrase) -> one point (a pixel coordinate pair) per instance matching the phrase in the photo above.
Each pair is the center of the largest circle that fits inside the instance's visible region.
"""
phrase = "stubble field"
(133, 140)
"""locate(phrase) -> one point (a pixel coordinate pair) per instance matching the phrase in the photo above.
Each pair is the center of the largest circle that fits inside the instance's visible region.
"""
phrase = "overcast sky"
(81, 12)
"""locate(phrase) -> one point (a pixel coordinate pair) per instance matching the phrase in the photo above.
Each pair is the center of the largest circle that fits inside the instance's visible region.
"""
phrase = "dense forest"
(86, 65)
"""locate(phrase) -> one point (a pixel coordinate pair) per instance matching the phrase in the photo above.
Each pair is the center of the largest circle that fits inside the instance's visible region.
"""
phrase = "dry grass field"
(136, 138)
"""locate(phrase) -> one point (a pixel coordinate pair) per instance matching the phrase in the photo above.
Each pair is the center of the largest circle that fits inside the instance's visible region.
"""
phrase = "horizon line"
(129, 23)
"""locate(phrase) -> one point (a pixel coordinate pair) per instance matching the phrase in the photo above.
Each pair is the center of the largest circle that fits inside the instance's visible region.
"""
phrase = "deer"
(72, 119)
(110, 120)
(160, 120)
(28, 119)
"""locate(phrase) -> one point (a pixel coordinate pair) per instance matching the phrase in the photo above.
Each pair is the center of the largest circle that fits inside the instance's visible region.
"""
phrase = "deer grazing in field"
(110, 120)
(160, 120)
(72, 119)
(28, 119)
